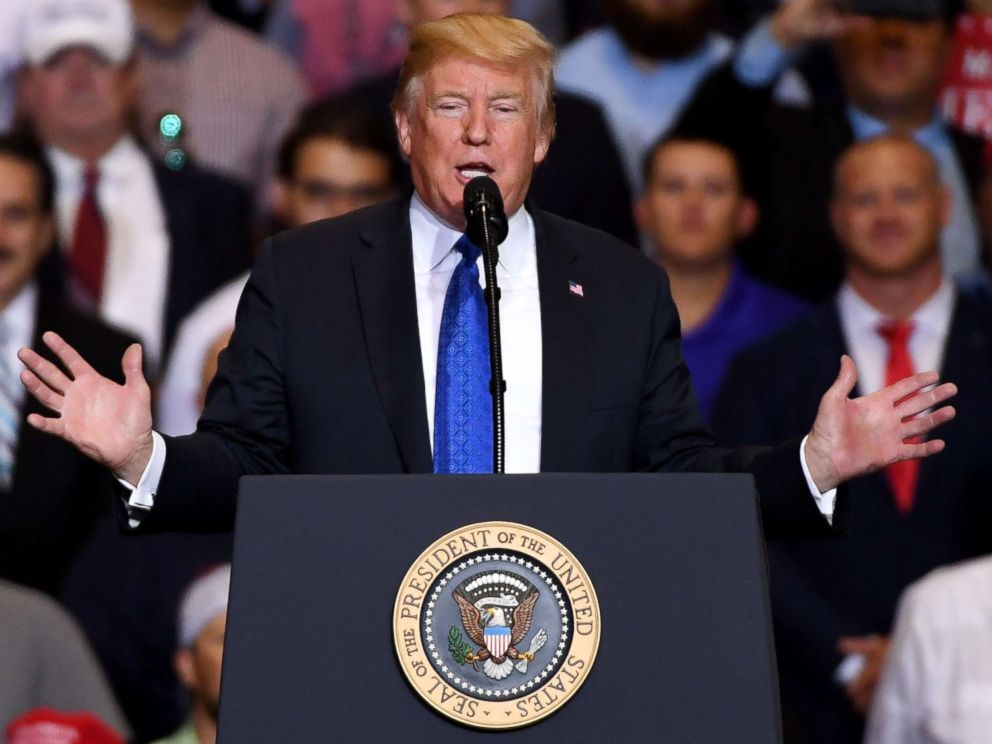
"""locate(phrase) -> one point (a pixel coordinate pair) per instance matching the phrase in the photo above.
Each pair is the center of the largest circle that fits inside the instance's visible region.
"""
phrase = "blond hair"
(489, 38)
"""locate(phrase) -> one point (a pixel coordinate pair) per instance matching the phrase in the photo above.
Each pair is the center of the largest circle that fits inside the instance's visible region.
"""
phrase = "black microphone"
(484, 207)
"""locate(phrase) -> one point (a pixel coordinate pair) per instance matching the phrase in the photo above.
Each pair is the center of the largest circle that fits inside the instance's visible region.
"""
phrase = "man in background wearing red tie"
(50, 495)
(895, 313)
(143, 243)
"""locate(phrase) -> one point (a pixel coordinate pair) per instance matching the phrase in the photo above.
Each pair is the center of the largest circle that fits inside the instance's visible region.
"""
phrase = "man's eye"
(907, 195)
(671, 187)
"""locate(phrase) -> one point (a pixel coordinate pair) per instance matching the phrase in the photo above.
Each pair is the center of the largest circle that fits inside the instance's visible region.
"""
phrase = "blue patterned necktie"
(10, 416)
(463, 407)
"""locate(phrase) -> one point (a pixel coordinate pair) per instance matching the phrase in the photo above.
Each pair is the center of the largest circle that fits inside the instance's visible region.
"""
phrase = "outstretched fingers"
(922, 449)
(918, 403)
(847, 378)
(131, 365)
(71, 358)
(920, 425)
(48, 425)
(44, 370)
(899, 391)
(45, 394)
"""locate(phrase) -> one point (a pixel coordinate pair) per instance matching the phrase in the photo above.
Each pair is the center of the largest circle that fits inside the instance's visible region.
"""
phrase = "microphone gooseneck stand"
(484, 212)
(497, 385)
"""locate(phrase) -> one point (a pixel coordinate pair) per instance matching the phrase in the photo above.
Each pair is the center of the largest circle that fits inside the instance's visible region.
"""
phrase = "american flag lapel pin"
(575, 288)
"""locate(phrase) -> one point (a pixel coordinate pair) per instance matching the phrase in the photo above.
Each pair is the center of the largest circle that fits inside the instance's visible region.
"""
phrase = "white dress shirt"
(859, 322)
(936, 687)
(137, 267)
(434, 260)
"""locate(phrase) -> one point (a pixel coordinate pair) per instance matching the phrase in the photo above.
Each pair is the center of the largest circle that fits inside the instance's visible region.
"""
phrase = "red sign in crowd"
(967, 96)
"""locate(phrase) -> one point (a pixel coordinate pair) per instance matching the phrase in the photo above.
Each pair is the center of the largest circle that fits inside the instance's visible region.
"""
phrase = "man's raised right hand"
(798, 22)
(108, 422)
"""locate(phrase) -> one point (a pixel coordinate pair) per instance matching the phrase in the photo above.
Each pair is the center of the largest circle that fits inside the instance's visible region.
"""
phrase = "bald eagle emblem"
(497, 609)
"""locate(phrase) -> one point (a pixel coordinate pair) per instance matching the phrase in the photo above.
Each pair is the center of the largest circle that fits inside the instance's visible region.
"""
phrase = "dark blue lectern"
(677, 561)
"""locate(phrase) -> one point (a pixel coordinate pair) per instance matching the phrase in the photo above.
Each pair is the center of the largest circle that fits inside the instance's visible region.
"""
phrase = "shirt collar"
(932, 318)
(434, 240)
(866, 126)
(18, 317)
(117, 164)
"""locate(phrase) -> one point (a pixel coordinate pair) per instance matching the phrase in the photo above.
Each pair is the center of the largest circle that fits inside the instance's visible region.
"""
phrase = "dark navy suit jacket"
(324, 373)
(849, 585)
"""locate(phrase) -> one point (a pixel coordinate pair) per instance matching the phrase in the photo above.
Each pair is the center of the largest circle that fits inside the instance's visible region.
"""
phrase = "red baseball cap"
(47, 726)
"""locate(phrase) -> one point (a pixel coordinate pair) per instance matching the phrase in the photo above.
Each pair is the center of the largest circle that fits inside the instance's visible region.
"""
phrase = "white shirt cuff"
(760, 59)
(824, 501)
(142, 497)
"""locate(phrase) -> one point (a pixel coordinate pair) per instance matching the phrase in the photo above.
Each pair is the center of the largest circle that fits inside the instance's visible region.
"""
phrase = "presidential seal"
(496, 625)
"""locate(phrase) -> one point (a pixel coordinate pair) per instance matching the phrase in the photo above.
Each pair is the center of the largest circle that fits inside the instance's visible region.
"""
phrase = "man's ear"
(837, 219)
(402, 121)
(280, 199)
(747, 216)
(24, 103)
(132, 81)
(46, 238)
(541, 145)
(640, 207)
(183, 663)
(946, 205)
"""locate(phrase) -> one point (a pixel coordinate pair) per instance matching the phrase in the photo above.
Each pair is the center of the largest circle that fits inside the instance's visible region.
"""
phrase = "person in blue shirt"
(694, 210)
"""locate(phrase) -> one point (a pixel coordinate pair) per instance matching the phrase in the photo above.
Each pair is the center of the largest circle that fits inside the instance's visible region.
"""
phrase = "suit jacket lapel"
(567, 344)
(384, 281)
(33, 446)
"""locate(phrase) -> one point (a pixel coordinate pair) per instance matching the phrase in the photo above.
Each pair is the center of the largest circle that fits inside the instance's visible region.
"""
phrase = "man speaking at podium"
(361, 344)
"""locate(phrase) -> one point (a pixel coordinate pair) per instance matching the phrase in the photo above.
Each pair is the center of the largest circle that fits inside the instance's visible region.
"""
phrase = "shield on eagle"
(497, 640)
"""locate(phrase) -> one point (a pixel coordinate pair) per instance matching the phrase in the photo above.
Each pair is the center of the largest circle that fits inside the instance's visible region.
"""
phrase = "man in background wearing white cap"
(144, 243)
(202, 622)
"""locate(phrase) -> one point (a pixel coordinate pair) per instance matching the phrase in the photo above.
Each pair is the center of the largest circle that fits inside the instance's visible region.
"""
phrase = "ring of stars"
(539, 576)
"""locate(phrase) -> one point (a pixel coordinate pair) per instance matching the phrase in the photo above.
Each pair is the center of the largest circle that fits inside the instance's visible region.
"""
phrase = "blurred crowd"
(810, 174)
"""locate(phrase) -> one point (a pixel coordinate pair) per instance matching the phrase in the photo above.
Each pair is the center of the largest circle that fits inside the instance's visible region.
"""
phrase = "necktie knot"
(91, 177)
(896, 332)
(469, 250)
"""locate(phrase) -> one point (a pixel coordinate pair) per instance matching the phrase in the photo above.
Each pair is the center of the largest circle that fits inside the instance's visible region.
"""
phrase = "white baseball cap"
(105, 25)
(203, 600)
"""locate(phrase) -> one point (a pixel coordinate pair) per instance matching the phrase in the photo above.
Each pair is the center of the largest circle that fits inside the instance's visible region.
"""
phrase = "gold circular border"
(471, 711)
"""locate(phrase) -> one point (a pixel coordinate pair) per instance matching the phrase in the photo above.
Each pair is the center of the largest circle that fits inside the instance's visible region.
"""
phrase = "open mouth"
(468, 171)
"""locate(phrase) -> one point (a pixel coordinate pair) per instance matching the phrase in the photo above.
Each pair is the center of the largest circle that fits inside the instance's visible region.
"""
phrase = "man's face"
(661, 29)
(889, 209)
(893, 65)
(471, 118)
(26, 233)
(656, 10)
(692, 207)
(332, 178)
(414, 12)
(77, 95)
(199, 666)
